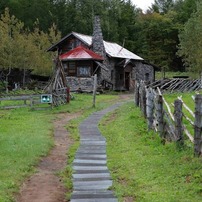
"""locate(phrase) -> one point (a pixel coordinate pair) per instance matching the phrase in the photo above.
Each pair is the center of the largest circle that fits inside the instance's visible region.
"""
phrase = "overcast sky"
(143, 4)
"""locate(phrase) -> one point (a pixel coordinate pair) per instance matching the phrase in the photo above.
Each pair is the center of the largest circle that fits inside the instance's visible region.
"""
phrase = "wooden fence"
(170, 125)
(19, 101)
(57, 97)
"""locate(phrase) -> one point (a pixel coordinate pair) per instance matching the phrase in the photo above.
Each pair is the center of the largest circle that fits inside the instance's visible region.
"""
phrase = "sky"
(143, 4)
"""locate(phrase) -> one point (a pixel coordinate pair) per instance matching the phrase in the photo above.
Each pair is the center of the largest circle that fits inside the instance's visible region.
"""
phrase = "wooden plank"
(13, 107)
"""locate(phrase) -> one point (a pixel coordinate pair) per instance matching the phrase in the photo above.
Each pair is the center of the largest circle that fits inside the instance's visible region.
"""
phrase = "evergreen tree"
(190, 47)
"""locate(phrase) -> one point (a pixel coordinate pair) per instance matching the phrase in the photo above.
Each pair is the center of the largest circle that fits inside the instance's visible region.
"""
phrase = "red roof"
(80, 53)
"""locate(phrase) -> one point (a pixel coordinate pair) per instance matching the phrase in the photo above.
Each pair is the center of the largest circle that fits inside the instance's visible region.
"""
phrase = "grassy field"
(142, 168)
(160, 75)
(26, 136)
(187, 99)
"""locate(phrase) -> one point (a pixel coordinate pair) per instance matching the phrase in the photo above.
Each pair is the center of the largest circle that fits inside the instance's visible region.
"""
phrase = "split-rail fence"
(170, 126)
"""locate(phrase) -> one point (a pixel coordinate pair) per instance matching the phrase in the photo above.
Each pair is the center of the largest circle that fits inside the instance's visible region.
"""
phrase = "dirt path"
(45, 185)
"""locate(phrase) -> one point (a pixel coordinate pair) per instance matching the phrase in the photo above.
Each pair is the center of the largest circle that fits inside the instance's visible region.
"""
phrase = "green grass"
(187, 99)
(27, 135)
(142, 168)
(24, 137)
(170, 75)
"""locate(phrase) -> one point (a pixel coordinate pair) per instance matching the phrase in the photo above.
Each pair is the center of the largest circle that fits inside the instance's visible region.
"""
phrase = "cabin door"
(127, 80)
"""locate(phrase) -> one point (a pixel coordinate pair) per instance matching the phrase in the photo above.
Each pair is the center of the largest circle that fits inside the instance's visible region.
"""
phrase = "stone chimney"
(97, 38)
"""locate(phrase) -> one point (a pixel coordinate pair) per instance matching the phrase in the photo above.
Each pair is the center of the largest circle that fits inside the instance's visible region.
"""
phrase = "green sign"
(46, 98)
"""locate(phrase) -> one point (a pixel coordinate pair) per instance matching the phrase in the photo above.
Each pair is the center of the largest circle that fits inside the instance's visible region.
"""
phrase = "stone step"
(98, 179)
(89, 164)
(91, 137)
(92, 185)
(90, 171)
(95, 200)
(92, 168)
(93, 175)
(92, 146)
(92, 142)
(92, 151)
(89, 161)
(91, 156)
(92, 195)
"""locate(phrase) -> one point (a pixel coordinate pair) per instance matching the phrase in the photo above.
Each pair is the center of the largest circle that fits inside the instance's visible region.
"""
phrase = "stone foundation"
(76, 83)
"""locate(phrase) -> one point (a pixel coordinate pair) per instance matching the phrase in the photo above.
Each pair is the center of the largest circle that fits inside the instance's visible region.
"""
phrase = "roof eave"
(55, 46)
(80, 59)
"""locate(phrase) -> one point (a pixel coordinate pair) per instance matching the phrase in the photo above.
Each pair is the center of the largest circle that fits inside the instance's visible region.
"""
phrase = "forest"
(168, 34)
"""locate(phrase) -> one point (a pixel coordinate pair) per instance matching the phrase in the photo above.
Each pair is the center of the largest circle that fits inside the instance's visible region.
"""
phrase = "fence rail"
(27, 101)
(170, 126)
(58, 97)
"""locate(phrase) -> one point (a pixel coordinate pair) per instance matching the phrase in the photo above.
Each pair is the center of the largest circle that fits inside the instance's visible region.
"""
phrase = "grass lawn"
(142, 168)
(170, 75)
(26, 136)
(187, 99)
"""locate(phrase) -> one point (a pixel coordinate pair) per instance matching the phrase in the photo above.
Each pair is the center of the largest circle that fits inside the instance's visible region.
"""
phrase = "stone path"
(91, 178)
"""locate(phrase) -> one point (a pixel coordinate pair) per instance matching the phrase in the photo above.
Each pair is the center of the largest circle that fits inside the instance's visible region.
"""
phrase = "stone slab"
(94, 175)
(89, 164)
(91, 156)
(95, 200)
(93, 195)
(92, 185)
(89, 161)
(82, 167)
(92, 142)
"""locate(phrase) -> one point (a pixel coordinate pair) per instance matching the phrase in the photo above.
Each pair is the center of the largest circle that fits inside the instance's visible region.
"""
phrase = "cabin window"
(84, 71)
(71, 69)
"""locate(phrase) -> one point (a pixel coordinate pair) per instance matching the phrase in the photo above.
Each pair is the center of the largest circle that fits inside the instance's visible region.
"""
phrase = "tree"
(190, 47)
(25, 50)
(162, 6)
(184, 10)
(159, 38)
(10, 28)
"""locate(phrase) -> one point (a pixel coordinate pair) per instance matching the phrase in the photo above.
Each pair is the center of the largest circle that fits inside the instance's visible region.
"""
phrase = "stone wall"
(77, 83)
(143, 72)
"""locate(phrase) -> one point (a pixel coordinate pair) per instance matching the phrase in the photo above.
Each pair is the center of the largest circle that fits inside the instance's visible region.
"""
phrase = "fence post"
(31, 101)
(159, 116)
(178, 122)
(143, 99)
(198, 126)
(68, 94)
(137, 95)
(94, 89)
(150, 107)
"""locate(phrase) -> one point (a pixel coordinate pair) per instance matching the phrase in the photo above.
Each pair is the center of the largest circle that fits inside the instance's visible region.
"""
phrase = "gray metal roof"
(112, 49)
